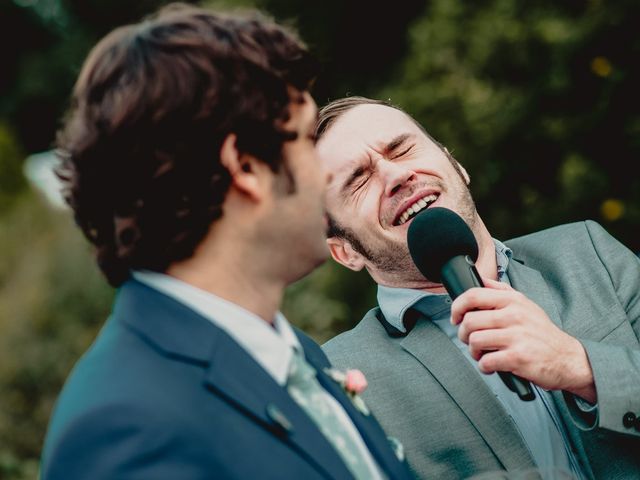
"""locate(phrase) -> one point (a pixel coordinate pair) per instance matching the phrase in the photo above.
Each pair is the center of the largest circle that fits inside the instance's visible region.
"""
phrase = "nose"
(395, 176)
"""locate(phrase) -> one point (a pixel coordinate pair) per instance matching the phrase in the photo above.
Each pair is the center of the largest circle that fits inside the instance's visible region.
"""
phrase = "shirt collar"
(271, 347)
(394, 302)
(503, 257)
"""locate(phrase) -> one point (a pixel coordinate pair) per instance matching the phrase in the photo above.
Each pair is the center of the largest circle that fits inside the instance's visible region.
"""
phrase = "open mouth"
(415, 208)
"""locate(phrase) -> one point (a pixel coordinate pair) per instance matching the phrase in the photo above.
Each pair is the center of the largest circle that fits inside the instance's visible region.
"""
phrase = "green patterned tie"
(305, 389)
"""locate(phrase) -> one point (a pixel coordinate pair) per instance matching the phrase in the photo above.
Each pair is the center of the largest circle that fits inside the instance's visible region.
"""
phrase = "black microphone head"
(435, 236)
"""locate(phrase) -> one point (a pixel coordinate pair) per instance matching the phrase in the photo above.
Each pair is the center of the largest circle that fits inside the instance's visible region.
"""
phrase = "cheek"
(365, 217)
(369, 209)
(370, 203)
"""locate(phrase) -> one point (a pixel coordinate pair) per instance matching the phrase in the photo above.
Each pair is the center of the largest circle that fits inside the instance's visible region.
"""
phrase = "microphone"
(444, 249)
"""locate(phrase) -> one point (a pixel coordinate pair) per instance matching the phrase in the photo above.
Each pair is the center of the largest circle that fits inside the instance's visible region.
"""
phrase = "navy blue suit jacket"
(165, 394)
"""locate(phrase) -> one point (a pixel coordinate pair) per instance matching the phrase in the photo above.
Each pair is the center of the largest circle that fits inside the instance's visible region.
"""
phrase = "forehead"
(363, 127)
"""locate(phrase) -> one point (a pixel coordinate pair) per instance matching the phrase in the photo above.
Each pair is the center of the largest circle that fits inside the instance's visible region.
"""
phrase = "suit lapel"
(236, 376)
(431, 347)
(530, 282)
(182, 334)
(374, 437)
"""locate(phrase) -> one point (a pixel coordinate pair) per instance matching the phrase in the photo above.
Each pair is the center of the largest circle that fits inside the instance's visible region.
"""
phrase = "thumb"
(489, 283)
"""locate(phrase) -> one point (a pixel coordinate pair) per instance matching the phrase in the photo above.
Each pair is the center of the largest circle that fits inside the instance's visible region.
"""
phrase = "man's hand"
(508, 332)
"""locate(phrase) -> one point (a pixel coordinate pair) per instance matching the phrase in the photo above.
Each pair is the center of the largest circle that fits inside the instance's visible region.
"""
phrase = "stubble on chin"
(391, 264)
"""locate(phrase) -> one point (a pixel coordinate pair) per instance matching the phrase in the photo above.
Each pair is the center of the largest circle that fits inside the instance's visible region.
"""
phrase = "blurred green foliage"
(12, 182)
(537, 100)
(52, 302)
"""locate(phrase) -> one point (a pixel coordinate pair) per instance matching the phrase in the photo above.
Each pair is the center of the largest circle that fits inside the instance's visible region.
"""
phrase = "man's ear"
(465, 174)
(343, 253)
(245, 169)
(460, 168)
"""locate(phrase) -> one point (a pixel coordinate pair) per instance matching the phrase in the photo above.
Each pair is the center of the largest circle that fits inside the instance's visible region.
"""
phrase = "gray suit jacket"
(424, 392)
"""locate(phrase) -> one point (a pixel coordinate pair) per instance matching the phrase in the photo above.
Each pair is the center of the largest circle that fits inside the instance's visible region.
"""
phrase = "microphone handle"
(459, 275)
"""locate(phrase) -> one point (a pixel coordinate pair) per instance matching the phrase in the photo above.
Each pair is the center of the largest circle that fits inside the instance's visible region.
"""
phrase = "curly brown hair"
(150, 110)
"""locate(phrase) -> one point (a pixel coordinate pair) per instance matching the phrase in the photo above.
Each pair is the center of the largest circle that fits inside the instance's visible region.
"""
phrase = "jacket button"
(629, 419)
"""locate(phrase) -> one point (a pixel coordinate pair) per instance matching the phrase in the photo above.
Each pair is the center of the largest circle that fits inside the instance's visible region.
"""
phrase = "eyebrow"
(395, 143)
(386, 150)
(353, 177)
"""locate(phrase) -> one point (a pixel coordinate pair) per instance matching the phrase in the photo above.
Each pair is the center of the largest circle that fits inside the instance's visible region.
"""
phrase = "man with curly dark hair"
(188, 160)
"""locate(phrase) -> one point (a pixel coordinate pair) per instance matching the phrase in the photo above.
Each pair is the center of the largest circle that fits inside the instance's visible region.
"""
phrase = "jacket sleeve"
(616, 368)
(121, 442)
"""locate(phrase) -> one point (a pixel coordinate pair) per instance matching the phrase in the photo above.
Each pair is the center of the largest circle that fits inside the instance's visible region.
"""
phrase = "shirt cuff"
(585, 415)
(586, 407)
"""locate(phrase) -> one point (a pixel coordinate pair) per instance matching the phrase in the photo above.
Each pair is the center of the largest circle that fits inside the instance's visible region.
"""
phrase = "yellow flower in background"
(601, 66)
(612, 209)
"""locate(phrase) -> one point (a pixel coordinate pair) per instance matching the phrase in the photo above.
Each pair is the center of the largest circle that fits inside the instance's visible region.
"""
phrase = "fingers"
(483, 341)
(498, 361)
(482, 299)
(480, 320)
(489, 283)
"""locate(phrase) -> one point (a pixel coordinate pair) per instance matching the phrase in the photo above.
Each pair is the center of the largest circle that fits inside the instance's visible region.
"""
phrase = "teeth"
(416, 207)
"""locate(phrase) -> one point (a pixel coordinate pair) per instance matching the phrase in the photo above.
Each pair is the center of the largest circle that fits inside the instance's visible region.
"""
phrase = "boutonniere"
(353, 382)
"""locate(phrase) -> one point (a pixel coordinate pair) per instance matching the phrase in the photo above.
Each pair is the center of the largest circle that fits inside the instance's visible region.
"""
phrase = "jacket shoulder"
(562, 233)
(572, 240)
(578, 254)
(359, 346)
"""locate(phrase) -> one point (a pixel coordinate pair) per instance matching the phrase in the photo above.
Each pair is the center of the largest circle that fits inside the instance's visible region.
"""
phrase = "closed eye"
(357, 178)
(361, 182)
(404, 152)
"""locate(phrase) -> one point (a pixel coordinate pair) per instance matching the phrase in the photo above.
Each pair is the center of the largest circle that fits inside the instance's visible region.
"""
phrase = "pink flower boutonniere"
(354, 383)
